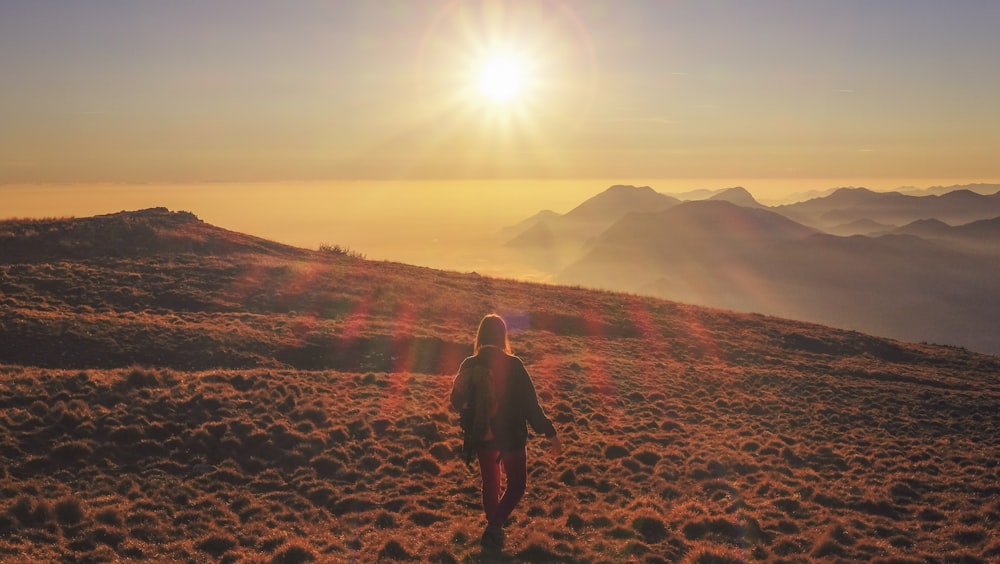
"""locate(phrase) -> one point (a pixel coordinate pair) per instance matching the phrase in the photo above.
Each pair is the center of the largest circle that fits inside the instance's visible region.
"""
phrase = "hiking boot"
(493, 538)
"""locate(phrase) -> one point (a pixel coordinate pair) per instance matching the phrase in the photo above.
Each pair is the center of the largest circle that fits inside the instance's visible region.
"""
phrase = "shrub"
(126, 435)
(620, 533)
(931, 514)
(328, 249)
(441, 451)
(69, 511)
(29, 513)
(443, 557)
(670, 492)
(110, 536)
(649, 458)
(6, 524)
(369, 463)
(426, 518)
(386, 520)
(327, 467)
(788, 527)
(615, 451)
(537, 551)
(351, 504)
(394, 551)
(651, 529)
(423, 465)
(601, 522)
(109, 516)
(70, 453)
(788, 505)
(719, 527)
(829, 548)
(138, 379)
(38, 408)
(968, 537)
(293, 554)
(713, 554)
(216, 545)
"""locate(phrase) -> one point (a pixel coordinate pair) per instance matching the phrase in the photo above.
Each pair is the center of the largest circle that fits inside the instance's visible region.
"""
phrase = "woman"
(494, 383)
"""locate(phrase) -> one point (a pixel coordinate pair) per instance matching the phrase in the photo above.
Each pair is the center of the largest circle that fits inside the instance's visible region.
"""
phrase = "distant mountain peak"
(618, 200)
(852, 197)
(961, 195)
(736, 190)
(852, 193)
(930, 222)
(737, 195)
(629, 188)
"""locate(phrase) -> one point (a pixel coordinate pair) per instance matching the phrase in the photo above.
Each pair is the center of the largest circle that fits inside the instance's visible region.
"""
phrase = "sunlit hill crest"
(138, 234)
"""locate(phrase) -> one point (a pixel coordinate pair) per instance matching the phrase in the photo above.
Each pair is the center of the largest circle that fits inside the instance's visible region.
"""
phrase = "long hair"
(492, 331)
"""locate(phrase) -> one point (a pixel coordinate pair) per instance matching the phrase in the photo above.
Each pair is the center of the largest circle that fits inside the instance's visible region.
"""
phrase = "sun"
(503, 79)
(511, 72)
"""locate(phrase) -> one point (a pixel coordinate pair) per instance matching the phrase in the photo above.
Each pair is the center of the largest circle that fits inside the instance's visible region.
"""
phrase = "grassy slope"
(198, 394)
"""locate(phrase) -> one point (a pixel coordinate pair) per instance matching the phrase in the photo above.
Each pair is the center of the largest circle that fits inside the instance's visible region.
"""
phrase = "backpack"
(477, 420)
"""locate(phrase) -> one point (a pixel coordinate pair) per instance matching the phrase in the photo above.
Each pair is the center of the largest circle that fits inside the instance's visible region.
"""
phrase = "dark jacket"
(518, 403)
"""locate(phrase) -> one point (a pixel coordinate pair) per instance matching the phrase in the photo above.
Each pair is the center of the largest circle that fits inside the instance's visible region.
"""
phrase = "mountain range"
(892, 208)
(884, 263)
(980, 188)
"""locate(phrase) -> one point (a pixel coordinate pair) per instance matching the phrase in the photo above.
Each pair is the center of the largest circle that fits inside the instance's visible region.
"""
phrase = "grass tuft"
(69, 511)
(216, 544)
(393, 550)
(294, 554)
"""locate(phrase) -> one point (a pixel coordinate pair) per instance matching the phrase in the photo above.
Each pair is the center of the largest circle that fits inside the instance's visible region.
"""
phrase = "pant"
(512, 463)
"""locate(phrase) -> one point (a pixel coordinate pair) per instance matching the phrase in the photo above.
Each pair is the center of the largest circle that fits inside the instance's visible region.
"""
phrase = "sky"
(131, 91)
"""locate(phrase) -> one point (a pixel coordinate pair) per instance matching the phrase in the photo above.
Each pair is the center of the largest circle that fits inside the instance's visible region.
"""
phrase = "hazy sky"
(183, 90)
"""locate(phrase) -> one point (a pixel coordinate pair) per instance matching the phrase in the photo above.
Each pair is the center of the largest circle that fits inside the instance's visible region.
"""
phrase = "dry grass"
(290, 407)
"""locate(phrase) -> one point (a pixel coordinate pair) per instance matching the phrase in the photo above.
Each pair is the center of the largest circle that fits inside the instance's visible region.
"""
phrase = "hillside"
(229, 399)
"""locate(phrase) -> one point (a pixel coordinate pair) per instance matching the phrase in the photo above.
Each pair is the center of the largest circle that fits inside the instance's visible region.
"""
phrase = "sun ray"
(502, 86)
